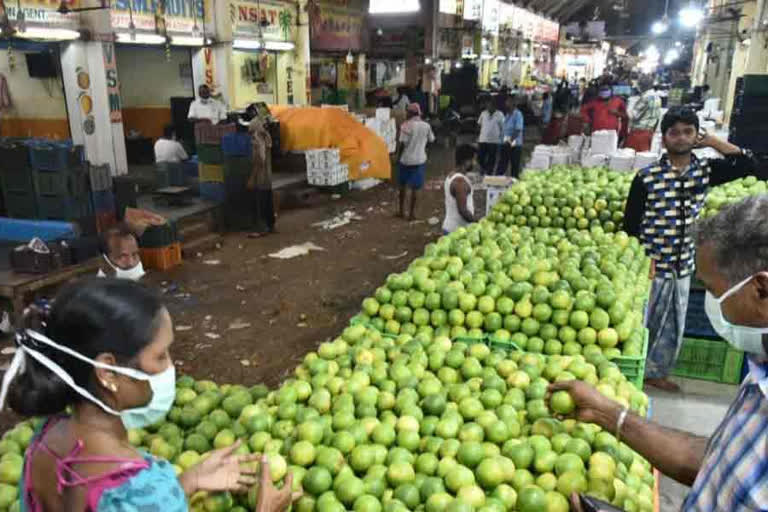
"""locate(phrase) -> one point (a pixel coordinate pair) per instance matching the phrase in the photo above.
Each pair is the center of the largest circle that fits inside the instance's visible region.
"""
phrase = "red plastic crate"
(161, 258)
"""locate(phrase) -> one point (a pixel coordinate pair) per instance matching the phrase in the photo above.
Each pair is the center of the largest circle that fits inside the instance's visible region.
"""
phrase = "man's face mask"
(748, 339)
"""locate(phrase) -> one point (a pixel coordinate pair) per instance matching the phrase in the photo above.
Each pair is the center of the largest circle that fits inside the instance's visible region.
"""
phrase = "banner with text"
(179, 14)
(276, 20)
(336, 29)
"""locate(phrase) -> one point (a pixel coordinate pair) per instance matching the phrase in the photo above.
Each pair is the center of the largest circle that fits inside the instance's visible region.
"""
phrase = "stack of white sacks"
(384, 126)
(622, 160)
(324, 167)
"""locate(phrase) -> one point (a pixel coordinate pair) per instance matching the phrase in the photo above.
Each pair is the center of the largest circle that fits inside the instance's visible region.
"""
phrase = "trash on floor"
(212, 335)
(342, 219)
(212, 262)
(236, 325)
(432, 221)
(182, 328)
(295, 250)
(395, 256)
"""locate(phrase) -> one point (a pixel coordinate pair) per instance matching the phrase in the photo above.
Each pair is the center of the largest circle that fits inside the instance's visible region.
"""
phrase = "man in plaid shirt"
(727, 471)
(664, 201)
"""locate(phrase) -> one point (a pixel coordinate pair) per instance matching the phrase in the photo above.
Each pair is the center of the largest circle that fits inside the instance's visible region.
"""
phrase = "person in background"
(644, 118)
(401, 102)
(260, 181)
(415, 134)
(606, 112)
(725, 471)
(561, 106)
(491, 123)
(546, 109)
(705, 93)
(96, 366)
(205, 108)
(512, 145)
(664, 201)
(120, 254)
(459, 204)
(168, 149)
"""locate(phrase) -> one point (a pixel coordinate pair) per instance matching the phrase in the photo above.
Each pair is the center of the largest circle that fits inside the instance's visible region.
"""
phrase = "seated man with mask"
(727, 470)
(120, 251)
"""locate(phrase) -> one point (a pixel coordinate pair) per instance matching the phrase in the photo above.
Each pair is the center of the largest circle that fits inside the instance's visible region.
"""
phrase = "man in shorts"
(415, 134)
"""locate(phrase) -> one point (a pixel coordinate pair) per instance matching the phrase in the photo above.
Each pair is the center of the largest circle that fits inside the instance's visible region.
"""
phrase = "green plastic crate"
(713, 360)
(633, 368)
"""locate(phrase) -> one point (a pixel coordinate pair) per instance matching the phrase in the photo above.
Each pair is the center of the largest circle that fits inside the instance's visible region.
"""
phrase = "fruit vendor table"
(16, 286)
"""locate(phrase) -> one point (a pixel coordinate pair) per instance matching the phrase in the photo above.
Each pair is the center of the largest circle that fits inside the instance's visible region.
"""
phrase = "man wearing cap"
(415, 134)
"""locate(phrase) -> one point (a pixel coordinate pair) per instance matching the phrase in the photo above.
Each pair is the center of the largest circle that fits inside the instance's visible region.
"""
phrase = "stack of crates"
(19, 197)
(238, 166)
(160, 247)
(102, 197)
(704, 355)
(211, 159)
(61, 180)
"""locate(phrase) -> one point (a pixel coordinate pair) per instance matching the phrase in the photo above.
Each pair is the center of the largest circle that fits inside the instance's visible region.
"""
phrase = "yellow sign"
(270, 19)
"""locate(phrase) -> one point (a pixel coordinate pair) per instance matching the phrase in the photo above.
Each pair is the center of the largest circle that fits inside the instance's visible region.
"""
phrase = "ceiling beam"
(572, 9)
(553, 5)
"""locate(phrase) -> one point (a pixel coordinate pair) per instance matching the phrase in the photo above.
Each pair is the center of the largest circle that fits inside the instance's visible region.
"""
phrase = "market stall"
(339, 42)
(264, 66)
(32, 103)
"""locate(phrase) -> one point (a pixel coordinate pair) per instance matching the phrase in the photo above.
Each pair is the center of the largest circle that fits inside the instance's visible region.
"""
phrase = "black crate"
(63, 207)
(14, 156)
(18, 181)
(755, 85)
(159, 236)
(20, 205)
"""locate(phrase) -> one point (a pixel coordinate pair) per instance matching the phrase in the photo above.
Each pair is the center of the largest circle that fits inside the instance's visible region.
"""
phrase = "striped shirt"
(663, 205)
(734, 473)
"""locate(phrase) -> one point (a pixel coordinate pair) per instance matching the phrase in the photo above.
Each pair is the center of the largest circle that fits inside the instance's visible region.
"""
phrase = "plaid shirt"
(734, 473)
(646, 113)
(663, 205)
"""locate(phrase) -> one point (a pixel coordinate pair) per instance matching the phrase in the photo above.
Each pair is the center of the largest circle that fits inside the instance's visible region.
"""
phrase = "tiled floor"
(697, 409)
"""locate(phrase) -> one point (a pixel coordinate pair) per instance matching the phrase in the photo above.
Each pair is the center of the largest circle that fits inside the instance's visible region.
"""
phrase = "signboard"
(41, 11)
(397, 40)
(179, 14)
(586, 31)
(208, 68)
(336, 29)
(113, 84)
(275, 19)
(532, 26)
(473, 9)
(491, 16)
(447, 6)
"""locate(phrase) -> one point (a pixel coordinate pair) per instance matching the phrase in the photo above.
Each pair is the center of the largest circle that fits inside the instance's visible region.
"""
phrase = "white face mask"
(133, 274)
(163, 384)
(748, 339)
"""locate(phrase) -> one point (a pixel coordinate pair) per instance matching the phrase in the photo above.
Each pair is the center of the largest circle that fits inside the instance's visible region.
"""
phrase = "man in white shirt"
(168, 149)
(205, 108)
(491, 132)
(415, 134)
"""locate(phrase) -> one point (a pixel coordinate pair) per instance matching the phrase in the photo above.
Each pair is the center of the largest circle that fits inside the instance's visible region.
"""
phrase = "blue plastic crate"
(213, 191)
(55, 156)
(103, 201)
(697, 324)
(236, 144)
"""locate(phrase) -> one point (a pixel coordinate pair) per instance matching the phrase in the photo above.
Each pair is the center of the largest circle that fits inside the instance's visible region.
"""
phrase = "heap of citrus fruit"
(732, 192)
(545, 290)
(566, 197)
(372, 423)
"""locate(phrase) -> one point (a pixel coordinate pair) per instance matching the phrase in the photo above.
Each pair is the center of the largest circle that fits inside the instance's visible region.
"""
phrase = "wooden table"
(16, 286)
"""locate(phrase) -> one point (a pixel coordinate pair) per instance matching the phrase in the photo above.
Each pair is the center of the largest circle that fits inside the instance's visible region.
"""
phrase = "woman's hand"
(270, 498)
(221, 471)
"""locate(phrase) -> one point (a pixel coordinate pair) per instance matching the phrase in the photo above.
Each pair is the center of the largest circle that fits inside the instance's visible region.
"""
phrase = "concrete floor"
(697, 409)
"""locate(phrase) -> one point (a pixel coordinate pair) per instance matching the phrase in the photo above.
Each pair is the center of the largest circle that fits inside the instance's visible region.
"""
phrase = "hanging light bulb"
(350, 58)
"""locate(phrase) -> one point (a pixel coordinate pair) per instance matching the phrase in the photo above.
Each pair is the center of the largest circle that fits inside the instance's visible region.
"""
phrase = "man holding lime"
(726, 471)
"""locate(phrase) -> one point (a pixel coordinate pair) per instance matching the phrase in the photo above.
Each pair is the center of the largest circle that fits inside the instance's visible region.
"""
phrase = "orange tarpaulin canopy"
(303, 128)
